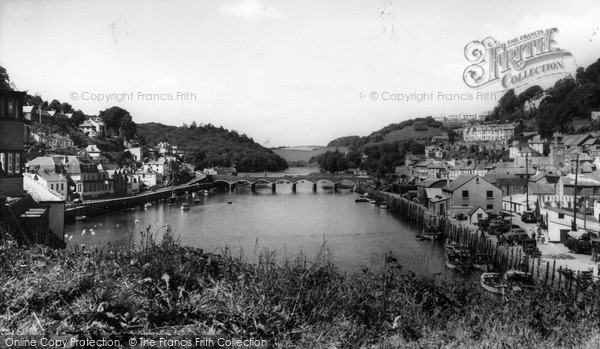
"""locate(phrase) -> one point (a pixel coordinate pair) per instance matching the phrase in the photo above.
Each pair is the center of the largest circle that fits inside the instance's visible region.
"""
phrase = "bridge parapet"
(290, 179)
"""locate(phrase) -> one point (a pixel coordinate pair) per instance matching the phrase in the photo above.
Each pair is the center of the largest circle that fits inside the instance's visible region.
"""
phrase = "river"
(357, 235)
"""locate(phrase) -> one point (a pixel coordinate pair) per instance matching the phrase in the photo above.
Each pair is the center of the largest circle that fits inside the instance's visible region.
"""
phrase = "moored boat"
(81, 218)
(493, 283)
(518, 280)
(361, 200)
(449, 244)
(383, 205)
(482, 262)
(454, 261)
(185, 206)
(431, 233)
(147, 205)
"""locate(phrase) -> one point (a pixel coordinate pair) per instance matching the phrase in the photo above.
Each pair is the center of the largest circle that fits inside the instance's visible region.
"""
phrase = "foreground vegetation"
(171, 289)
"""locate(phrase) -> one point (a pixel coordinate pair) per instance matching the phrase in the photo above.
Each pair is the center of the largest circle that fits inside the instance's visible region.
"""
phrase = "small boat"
(449, 244)
(81, 218)
(364, 195)
(431, 233)
(383, 205)
(197, 200)
(482, 262)
(493, 283)
(185, 206)
(454, 261)
(229, 202)
(147, 205)
(373, 201)
(361, 200)
(518, 280)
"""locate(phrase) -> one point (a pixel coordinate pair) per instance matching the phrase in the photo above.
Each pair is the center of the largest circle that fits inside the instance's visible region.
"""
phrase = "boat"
(518, 280)
(361, 200)
(431, 233)
(373, 201)
(185, 206)
(493, 283)
(147, 205)
(81, 218)
(454, 261)
(229, 202)
(383, 205)
(197, 200)
(481, 261)
(450, 245)
(364, 195)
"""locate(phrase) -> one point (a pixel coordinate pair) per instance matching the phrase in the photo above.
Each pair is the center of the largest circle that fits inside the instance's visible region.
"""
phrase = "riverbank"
(170, 289)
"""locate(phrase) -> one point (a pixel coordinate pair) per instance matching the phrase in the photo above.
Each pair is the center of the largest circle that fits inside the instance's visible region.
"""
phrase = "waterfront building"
(20, 216)
(12, 132)
(465, 193)
(423, 186)
(57, 183)
(85, 179)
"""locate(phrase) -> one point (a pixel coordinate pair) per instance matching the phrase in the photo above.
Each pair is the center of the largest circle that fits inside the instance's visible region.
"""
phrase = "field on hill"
(304, 153)
(410, 133)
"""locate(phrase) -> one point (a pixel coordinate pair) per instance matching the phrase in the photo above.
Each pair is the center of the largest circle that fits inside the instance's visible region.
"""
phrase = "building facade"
(12, 137)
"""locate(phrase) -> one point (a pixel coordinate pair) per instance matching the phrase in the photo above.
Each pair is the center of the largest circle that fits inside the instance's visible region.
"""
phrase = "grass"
(166, 288)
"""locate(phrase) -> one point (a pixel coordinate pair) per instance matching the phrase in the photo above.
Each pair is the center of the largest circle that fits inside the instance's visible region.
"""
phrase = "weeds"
(163, 287)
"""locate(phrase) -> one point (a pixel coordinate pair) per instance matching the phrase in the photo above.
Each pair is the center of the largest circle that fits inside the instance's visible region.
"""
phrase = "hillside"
(207, 146)
(344, 141)
(294, 154)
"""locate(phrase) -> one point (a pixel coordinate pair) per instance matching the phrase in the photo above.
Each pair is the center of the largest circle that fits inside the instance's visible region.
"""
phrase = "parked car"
(459, 216)
(528, 217)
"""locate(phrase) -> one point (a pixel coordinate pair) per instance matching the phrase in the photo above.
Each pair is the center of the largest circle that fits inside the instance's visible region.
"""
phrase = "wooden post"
(547, 270)
(577, 284)
(559, 276)
(553, 270)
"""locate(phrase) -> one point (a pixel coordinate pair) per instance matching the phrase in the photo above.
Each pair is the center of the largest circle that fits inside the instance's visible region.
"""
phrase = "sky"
(286, 73)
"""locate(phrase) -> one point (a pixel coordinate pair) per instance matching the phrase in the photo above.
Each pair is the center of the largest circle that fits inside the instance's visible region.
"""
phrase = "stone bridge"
(335, 180)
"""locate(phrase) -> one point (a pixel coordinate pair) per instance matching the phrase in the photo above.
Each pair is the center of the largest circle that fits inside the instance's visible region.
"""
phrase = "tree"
(77, 118)
(119, 122)
(54, 105)
(5, 84)
(66, 107)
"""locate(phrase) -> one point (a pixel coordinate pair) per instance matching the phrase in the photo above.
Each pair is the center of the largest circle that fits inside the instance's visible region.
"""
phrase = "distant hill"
(344, 141)
(304, 153)
(207, 146)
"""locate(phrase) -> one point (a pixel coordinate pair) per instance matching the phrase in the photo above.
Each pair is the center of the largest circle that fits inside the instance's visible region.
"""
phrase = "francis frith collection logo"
(516, 62)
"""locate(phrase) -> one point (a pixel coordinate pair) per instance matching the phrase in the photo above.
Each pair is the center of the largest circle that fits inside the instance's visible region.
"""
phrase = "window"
(480, 216)
(2, 162)
(11, 110)
(490, 194)
(79, 188)
(465, 194)
(561, 215)
(62, 186)
(9, 160)
(596, 191)
(579, 191)
(490, 206)
(17, 163)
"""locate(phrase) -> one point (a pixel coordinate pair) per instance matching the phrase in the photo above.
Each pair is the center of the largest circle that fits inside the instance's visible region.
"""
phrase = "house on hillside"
(93, 127)
(92, 151)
